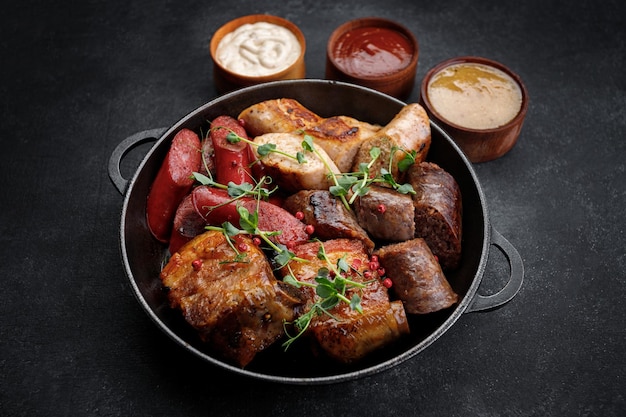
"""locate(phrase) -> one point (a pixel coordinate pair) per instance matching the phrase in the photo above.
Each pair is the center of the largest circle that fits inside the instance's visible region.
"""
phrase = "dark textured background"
(80, 76)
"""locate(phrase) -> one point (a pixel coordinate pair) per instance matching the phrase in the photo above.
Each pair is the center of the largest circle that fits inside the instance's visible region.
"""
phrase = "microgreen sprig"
(249, 223)
(359, 182)
(339, 190)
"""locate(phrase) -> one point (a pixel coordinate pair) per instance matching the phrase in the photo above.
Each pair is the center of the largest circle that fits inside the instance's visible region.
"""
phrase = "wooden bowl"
(356, 53)
(227, 80)
(479, 144)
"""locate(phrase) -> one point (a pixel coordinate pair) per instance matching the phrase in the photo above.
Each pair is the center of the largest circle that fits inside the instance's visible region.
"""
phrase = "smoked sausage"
(173, 181)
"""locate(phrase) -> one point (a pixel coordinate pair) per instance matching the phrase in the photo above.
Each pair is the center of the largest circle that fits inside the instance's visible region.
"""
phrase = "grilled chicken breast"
(236, 305)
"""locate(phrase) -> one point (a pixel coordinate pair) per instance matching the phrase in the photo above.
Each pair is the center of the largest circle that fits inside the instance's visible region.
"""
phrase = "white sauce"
(258, 49)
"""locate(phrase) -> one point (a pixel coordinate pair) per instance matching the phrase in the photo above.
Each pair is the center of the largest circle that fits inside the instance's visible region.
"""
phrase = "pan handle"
(506, 294)
(123, 148)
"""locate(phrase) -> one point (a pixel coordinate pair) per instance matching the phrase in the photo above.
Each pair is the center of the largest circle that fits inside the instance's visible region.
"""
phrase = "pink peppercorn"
(197, 264)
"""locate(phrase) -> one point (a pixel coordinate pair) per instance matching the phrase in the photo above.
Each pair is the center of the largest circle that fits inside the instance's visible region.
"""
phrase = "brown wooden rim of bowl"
(477, 60)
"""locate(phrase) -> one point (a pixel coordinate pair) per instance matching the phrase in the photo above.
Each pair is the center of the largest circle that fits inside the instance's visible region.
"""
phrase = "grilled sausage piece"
(330, 219)
(188, 223)
(236, 305)
(339, 136)
(172, 183)
(417, 276)
(386, 214)
(287, 172)
(348, 335)
(438, 211)
(408, 131)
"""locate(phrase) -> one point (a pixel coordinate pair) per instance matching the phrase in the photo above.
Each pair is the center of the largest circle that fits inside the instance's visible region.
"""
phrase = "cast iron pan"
(143, 256)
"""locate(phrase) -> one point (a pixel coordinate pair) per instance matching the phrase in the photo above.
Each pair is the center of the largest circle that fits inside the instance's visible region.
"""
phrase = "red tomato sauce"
(372, 52)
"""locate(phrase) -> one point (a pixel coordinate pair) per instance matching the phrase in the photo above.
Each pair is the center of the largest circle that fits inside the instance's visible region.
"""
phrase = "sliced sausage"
(418, 279)
(438, 211)
(188, 223)
(327, 215)
(386, 214)
(217, 207)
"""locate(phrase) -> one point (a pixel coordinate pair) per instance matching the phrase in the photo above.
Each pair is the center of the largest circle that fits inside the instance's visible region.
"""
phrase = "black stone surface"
(79, 77)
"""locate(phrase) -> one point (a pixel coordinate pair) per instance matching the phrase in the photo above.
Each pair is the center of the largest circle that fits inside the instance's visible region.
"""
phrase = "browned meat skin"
(395, 222)
(281, 115)
(353, 335)
(238, 308)
(417, 276)
(328, 216)
(339, 136)
(438, 211)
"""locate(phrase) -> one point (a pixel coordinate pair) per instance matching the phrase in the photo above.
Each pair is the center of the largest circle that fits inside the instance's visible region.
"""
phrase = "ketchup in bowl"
(375, 53)
(372, 51)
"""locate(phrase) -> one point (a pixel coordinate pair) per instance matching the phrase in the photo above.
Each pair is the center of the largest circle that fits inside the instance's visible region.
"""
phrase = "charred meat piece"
(386, 214)
(349, 335)
(236, 304)
(417, 276)
(329, 217)
(339, 136)
(438, 211)
(408, 131)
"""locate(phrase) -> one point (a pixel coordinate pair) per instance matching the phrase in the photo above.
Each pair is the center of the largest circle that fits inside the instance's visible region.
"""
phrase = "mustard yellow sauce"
(475, 96)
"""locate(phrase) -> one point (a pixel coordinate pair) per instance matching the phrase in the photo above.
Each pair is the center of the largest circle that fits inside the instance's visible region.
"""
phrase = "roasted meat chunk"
(386, 214)
(328, 216)
(349, 335)
(438, 211)
(418, 279)
(235, 303)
